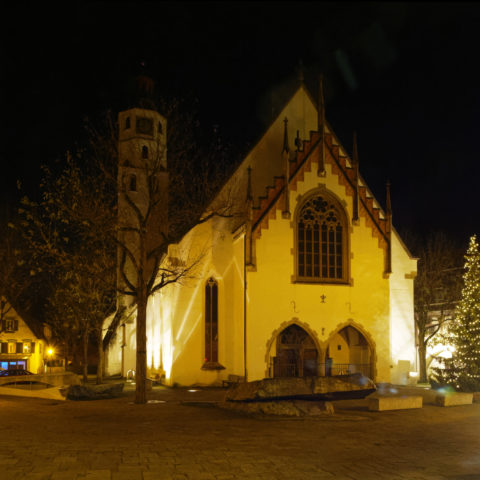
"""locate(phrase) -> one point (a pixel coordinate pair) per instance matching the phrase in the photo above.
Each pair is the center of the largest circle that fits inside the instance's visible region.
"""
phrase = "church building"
(312, 279)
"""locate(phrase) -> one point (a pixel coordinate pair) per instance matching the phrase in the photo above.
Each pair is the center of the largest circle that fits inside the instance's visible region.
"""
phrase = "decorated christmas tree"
(463, 369)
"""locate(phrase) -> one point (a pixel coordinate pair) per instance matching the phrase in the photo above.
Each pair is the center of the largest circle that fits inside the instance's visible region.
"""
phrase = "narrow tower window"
(144, 152)
(127, 123)
(132, 183)
(160, 128)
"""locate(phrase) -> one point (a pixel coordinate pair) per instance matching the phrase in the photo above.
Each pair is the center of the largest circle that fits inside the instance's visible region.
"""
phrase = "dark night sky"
(404, 75)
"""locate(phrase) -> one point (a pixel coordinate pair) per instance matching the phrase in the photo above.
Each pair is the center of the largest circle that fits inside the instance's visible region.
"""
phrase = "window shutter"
(33, 347)
(19, 347)
(15, 325)
(4, 325)
(4, 347)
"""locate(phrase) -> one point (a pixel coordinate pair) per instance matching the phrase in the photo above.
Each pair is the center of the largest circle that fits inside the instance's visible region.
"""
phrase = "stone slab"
(289, 408)
(94, 392)
(393, 402)
(321, 388)
(453, 399)
(476, 397)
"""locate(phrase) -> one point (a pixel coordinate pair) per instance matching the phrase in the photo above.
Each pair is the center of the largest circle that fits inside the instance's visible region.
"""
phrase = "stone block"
(453, 399)
(394, 402)
(476, 397)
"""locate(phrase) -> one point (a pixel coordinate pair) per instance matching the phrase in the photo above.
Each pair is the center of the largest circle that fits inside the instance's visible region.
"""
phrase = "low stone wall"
(51, 379)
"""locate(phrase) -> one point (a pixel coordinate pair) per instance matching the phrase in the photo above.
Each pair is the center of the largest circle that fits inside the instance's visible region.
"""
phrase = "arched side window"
(211, 321)
(322, 243)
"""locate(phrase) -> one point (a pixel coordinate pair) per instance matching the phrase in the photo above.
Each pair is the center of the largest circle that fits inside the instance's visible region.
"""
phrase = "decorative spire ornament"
(355, 217)
(321, 127)
(388, 213)
(300, 73)
(286, 160)
(249, 220)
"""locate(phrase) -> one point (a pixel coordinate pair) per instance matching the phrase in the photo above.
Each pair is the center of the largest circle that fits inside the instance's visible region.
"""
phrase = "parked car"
(12, 372)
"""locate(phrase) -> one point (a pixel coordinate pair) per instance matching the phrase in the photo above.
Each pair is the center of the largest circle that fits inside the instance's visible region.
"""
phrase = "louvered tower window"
(321, 241)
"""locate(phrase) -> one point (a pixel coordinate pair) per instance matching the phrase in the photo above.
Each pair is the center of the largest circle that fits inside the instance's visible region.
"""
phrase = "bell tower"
(142, 182)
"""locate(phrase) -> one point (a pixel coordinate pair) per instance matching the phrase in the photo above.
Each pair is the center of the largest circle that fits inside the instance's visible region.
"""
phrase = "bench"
(394, 402)
(232, 380)
(453, 399)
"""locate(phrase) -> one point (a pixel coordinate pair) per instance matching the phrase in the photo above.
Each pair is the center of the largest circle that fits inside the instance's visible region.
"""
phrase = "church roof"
(267, 163)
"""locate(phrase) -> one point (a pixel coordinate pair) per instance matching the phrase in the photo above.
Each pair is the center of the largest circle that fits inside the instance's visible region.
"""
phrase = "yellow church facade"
(310, 280)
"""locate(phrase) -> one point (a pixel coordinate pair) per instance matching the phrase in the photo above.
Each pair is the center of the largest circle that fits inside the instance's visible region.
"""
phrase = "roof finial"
(286, 148)
(249, 184)
(286, 159)
(388, 211)
(388, 201)
(300, 72)
(321, 103)
(321, 127)
(355, 217)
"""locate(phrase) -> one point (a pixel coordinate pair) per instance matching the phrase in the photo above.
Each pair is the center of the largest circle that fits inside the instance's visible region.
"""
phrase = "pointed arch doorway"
(296, 354)
(348, 352)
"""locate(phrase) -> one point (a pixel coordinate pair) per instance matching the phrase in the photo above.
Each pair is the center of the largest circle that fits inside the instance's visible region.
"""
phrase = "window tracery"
(321, 240)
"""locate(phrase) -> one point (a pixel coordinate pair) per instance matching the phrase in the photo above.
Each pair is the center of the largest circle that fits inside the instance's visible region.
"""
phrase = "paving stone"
(127, 475)
(35, 476)
(64, 475)
(103, 474)
(157, 476)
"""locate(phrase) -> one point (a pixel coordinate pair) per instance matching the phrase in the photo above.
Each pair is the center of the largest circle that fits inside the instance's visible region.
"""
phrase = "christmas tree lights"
(463, 369)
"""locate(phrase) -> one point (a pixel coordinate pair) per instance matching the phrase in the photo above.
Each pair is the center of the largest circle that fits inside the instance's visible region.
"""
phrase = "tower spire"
(321, 127)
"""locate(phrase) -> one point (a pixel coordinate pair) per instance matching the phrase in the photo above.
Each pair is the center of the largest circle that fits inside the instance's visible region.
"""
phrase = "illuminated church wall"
(378, 305)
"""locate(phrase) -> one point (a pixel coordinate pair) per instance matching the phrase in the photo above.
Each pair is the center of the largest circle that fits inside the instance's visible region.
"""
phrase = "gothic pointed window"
(211, 321)
(211, 326)
(321, 234)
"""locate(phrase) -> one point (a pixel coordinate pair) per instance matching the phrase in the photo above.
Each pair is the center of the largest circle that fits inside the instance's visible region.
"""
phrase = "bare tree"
(89, 217)
(78, 259)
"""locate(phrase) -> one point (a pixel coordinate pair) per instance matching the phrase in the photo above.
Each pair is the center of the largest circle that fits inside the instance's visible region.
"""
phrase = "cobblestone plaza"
(179, 434)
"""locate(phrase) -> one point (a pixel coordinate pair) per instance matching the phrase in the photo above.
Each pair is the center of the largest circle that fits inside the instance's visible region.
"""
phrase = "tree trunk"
(85, 355)
(422, 359)
(100, 355)
(141, 364)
